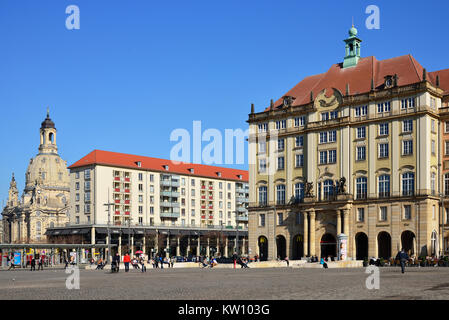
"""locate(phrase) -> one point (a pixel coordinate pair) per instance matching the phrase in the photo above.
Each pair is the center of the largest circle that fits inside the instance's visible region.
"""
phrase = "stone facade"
(364, 165)
(46, 196)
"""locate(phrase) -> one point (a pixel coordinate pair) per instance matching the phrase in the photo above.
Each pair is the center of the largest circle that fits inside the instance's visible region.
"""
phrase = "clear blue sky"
(138, 69)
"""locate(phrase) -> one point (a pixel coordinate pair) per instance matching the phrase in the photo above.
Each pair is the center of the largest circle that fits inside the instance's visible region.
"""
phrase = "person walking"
(286, 260)
(11, 265)
(33, 264)
(126, 261)
(161, 261)
(403, 257)
(40, 264)
(116, 262)
(323, 263)
(142, 264)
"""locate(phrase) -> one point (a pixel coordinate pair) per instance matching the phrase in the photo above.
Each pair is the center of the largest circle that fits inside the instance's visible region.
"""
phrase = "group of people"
(32, 262)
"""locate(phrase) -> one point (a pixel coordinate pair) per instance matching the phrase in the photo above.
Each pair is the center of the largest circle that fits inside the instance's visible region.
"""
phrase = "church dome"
(49, 170)
(48, 123)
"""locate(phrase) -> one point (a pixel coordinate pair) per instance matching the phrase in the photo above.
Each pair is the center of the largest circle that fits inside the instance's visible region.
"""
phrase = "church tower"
(48, 136)
(352, 55)
(13, 196)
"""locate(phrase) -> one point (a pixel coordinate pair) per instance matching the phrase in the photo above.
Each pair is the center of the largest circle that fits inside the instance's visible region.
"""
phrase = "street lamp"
(109, 204)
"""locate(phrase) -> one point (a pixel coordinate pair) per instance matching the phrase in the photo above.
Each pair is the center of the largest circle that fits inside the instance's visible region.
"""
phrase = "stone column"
(346, 222)
(338, 222)
(198, 246)
(167, 248)
(144, 244)
(208, 247)
(312, 232)
(306, 234)
(132, 246)
(243, 246)
(92, 241)
(226, 247)
(188, 245)
(156, 242)
(178, 247)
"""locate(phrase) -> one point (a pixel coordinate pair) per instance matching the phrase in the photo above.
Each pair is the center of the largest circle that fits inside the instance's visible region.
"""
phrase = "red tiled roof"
(359, 78)
(123, 160)
(444, 79)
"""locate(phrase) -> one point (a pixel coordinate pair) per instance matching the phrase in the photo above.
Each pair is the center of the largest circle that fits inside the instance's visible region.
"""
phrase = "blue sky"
(136, 70)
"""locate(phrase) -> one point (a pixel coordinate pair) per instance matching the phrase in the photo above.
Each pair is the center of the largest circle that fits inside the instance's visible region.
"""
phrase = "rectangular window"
(140, 198)
(446, 127)
(383, 150)
(299, 141)
(383, 129)
(87, 208)
(140, 209)
(262, 165)
(151, 210)
(333, 114)
(332, 156)
(77, 197)
(299, 160)
(87, 185)
(77, 174)
(432, 125)
(407, 126)
(140, 176)
(383, 214)
(360, 214)
(263, 127)
(323, 137)
(281, 144)
(407, 212)
(263, 195)
(280, 163)
(262, 220)
(432, 146)
(300, 121)
(323, 157)
(140, 187)
(77, 185)
(151, 177)
(280, 219)
(361, 153)
(192, 182)
(332, 136)
(281, 124)
(87, 174)
(407, 147)
(446, 148)
(324, 116)
(433, 103)
(361, 132)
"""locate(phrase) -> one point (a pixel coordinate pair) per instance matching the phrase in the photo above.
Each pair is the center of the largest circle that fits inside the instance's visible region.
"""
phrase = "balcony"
(242, 218)
(166, 204)
(127, 191)
(242, 199)
(127, 213)
(175, 194)
(169, 215)
(241, 209)
(116, 178)
(117, 212)
(117, 201)
(166, 193)
(241, 190)
(203, 187)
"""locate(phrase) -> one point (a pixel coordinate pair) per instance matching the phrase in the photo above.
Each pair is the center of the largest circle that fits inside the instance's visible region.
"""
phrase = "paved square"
(228, 284)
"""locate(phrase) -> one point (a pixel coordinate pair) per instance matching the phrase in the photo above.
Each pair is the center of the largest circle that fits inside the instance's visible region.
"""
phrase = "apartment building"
(156, 198)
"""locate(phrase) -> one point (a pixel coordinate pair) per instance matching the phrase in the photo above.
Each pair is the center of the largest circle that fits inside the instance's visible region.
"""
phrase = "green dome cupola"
(352, 55)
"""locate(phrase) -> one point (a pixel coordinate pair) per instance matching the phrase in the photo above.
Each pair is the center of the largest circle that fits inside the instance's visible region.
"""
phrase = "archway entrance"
(281, 247)
(408, 241)
(183, 244)
(328, 246)
(298, 247)
(384, 245)
(263, 248)
(361, 245)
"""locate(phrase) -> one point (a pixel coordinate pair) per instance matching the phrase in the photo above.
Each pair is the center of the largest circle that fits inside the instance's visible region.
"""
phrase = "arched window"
(384, 186)
(432, 183)
(51, 137)
(361, 187)
(328, 188)
(408, 183)
(280, 194)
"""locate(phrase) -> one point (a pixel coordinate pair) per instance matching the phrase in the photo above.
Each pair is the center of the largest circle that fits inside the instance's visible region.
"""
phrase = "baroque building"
(44, 202)
(356, 153)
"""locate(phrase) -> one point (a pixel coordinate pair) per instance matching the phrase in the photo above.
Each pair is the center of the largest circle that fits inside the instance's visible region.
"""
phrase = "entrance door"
(384, 245)
(263, 248)
(281, 247)
(298, 247)
(328, 246)
(361, 245)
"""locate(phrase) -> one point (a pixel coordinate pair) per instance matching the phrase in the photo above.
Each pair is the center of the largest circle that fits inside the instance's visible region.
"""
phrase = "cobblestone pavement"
(228, 284)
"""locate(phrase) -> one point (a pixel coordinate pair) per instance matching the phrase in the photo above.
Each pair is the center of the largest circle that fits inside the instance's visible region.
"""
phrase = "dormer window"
(219, 174)
(139, 164)
(191, 171)
(239, 176)
(166, 167)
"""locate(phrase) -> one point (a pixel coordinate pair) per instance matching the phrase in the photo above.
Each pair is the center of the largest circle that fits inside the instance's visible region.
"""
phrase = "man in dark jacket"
(403, 257)
(116, 262)
(33, 264)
